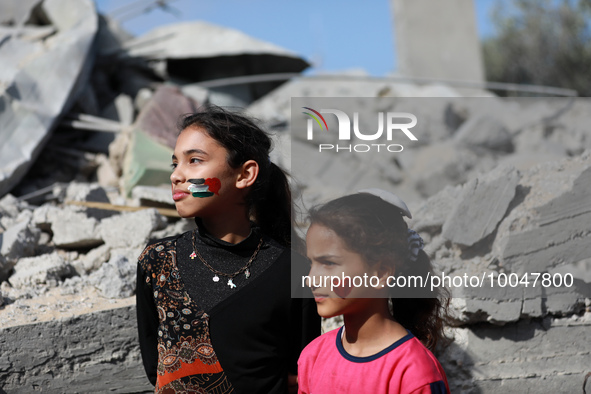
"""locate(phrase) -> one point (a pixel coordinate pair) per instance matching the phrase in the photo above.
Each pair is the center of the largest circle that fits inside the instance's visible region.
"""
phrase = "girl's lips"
(179, 195)
(320, 297)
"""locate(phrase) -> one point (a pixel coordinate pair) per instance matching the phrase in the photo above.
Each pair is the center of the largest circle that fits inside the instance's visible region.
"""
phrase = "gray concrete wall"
(92, 353)
(437, 39)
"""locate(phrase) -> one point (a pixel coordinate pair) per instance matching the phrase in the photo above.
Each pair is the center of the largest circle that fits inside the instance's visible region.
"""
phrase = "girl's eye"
(327, 263)
(195, 160)
(173, 166)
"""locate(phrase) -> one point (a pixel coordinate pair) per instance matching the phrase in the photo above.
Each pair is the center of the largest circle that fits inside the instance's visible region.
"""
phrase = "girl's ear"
(248, 174)
(383, 271)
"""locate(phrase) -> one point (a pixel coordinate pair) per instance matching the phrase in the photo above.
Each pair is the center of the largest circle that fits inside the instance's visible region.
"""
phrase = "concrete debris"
(40, 270)
(16, 242)
(481, 207)
(73, 229)
(116, 278)
(31, 101)
(484, 134)
(547, 355)
(148, 195)
(93, 260)
(131, 229)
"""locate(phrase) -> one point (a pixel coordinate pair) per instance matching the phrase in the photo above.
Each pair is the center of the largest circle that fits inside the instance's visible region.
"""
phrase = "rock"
(105, 173)
(484, 132)
(93, 260)
(432, 213)
(72, 229)
(178, 227)
(434, 167)
(50, 355)
(549, 355)
(481, 206)
(131, 229)
(11, 206)
(152, 194)
(77, 191)
(17, 242)
(116, 278)
(46, 269)
(557, 233)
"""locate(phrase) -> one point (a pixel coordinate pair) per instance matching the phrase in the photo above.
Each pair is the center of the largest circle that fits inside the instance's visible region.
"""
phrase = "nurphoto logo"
(396, 122)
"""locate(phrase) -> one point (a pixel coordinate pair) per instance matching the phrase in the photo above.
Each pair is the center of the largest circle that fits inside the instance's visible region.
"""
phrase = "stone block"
(93, 260)
(77, 191)
(46, 269)
(481, 207)
(131, 229)
(16, 242)
(72, 229)
(152, 194)
(94, 352)
(116, 278)
(484, 133)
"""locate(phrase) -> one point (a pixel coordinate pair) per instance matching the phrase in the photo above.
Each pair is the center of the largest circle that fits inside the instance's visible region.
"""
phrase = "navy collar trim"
(356, 359)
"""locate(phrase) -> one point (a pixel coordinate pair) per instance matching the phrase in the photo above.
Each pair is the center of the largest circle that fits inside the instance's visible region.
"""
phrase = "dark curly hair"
(376, 230)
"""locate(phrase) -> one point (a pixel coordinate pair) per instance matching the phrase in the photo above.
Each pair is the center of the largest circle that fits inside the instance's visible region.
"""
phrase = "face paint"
(202, 187)
(343, 291)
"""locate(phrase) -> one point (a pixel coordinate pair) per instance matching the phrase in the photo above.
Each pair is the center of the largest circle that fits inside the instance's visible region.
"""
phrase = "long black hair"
(269, 200)
(376, 230)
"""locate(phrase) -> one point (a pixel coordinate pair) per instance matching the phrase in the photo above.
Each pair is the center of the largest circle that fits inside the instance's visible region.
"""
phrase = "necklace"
(217, 274)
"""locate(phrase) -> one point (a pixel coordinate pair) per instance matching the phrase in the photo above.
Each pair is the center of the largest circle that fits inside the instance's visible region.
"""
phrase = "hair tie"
(415, 244)
(389, 198)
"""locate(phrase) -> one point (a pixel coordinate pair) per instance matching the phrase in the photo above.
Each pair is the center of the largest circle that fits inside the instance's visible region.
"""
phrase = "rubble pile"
(495, 187)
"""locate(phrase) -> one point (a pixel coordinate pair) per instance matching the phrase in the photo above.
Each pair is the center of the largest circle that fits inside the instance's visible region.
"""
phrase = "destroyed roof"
(200, 39)
(200, 51)
(40, 77)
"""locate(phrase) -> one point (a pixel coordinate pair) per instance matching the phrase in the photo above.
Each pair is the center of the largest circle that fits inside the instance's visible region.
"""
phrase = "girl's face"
(200, 160)
(331, 262)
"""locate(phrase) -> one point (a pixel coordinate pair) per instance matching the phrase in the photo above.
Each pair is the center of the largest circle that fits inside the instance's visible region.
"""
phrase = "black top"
(256, 330)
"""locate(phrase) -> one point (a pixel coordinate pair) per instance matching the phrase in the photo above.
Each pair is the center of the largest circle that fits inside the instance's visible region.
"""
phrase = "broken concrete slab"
(17, 242)
(484, 133)
(93, 260)
(49, 354)
(199, 51)
(31, 103)
(558, 232)
(148, 195)
(520, 357)
(131, 229)
(73, 229)
(116, 278)
(40, 270)
(77, 191)
(432, 213)
(481, 207)
(439, 165)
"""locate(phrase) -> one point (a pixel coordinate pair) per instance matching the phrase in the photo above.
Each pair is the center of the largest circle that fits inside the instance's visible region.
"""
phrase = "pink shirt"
(406, 366)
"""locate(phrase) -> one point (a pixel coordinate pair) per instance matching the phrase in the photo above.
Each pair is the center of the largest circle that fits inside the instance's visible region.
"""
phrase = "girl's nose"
(177, 176)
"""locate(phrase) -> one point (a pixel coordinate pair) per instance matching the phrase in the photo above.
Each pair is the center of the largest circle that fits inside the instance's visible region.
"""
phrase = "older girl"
(213, 305)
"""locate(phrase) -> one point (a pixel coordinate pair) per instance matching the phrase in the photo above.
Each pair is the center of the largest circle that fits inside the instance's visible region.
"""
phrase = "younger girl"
(213, 305)
(377, 350)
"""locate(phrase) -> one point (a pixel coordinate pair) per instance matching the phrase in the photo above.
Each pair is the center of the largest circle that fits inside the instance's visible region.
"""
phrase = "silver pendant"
(216, 278)
(247, 273)
(231, 284)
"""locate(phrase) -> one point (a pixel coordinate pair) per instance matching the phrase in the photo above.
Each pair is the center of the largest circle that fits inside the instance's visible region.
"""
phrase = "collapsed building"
(87, 124)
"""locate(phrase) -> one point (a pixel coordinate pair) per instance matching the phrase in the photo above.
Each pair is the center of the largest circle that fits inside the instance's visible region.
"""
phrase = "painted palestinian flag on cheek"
(204, 187)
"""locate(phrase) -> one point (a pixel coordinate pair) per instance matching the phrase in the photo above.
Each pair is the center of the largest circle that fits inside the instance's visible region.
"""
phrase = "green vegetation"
(542, 42)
